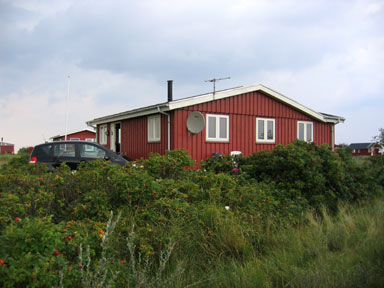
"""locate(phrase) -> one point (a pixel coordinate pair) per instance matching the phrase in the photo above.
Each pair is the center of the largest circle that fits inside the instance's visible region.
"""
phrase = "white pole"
(66, 110)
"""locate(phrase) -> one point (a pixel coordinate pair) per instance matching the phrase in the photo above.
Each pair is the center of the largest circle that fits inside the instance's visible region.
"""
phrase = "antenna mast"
(66, 110)
(214, 83)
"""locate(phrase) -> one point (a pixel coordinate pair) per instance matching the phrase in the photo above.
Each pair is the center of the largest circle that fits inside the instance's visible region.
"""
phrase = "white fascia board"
(242, 90)
(334, 119)
(130, 114)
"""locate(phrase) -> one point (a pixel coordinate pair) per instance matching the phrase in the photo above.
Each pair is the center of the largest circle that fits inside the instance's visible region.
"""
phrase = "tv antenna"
(214, 83)
(66, 109)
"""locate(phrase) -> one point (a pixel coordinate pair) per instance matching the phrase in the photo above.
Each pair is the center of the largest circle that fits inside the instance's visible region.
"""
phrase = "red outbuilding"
(7, 148)
(365, 149)
(246, 119)
(84, 135)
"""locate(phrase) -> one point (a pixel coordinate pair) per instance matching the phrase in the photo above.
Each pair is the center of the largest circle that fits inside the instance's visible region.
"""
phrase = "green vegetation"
(299, 216)
(4, 158)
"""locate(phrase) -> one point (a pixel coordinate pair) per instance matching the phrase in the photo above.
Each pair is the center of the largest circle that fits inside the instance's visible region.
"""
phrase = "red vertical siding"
(242, 111)
(8, 148)
(134, 138)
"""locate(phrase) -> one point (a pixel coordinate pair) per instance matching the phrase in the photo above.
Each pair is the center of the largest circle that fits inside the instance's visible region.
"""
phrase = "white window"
(90, 139)
(265, 130)
(75, 139)
(217, 127)
(154, 127)
(305, 131)
(103, 134)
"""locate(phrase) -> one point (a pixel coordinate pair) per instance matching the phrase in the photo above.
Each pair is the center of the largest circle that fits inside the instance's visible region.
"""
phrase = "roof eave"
(334, 120)
(163, 107)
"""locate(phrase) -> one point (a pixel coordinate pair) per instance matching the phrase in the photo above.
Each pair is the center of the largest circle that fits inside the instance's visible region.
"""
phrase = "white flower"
(227, 207)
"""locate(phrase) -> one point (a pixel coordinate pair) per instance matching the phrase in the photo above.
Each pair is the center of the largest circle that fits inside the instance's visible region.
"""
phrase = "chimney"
(170, 95)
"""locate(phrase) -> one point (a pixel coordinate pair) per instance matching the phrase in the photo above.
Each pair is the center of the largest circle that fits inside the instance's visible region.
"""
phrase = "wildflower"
(235, 170)
(174, 165)
(2, 262)
(227, 207)
(122, 261)
(55, 253)
(100, 235)
(17, 219)
(69, 238)
(40, 179)
(101, 231)
(299, 197)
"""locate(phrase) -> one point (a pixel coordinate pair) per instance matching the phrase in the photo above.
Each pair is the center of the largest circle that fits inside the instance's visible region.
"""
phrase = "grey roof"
(361, 145)
(6, 144)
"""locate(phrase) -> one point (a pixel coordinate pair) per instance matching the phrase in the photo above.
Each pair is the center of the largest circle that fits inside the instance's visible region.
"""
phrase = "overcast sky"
(328, 55)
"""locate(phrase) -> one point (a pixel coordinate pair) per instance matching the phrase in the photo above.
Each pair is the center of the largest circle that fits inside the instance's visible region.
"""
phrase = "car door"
(65, 153)
(89, 152)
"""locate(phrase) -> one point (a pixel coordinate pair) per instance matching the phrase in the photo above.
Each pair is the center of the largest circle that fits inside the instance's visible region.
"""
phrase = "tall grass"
(346, 250)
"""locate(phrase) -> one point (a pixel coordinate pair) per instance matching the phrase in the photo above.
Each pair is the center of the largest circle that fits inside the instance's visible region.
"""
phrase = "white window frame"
(74, 139)
(265, 139)
(103, 134)
(305, 130)
(90, 139)
(154, 124)
(217, 138)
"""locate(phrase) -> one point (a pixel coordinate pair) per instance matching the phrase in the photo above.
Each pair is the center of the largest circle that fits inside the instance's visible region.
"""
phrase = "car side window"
(43, 152)
(64, 150)
(91, 151)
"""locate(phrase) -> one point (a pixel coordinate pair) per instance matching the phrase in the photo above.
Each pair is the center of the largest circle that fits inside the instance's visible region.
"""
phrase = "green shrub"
(208, 221)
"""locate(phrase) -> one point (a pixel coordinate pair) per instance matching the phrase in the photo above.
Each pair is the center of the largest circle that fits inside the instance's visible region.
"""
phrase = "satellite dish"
(195, 122)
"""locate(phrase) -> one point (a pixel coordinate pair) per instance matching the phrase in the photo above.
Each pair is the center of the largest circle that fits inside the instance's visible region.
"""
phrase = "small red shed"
(246, 119)
(7, 148)
(84, 135)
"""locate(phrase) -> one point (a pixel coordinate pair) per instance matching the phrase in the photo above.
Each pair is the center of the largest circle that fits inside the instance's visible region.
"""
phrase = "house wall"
(365, 152)
(243, 110)
(134, 138)
(5, 149)
(82, 135)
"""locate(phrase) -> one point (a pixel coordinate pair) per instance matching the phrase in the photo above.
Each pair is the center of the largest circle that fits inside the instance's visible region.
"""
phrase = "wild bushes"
(54, 229)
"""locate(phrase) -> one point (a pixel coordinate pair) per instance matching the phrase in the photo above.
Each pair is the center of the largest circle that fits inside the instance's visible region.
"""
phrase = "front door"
(115, 137)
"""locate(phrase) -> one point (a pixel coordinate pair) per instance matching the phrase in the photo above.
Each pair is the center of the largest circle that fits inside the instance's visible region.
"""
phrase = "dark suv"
(72, 153)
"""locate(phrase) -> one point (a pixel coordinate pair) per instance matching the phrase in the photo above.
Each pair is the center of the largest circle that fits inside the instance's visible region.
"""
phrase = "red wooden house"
(365, 149)
(7, 148)
(246, 119)
(84, 135)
